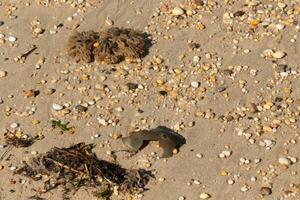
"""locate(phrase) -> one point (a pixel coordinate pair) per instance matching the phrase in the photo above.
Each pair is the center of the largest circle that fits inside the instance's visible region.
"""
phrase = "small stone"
(49, 91)
(109, 22)
(57, 107)
(102, 121)
(279, 54)
(13, 168)
(195, 84)
(14, 125)
(199, 155)
(81, 108)
(132, 86)
(281, 5)
(221, 89)
(177, 11)
(35, 122)
(265, 191)
(204, 196)
(12, 39)
(181, 198)
(196, 59)
(284, 161)
(244, 188)
(230, 182)
(3, 73)
(280, 26)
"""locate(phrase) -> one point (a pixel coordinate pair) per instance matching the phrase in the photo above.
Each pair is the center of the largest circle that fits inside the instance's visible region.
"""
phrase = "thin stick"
(64, 166)
(6, 152)
(27, 53)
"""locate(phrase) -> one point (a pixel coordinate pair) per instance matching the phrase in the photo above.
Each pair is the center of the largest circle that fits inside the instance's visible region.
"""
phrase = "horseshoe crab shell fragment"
(167, 138)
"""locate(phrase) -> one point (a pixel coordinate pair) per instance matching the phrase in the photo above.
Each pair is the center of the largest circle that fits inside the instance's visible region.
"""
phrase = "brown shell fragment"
(80, 46)
(117, 44)
(167, 138)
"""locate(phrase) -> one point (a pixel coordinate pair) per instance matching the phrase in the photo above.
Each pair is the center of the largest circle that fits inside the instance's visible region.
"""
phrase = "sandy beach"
(222, 74)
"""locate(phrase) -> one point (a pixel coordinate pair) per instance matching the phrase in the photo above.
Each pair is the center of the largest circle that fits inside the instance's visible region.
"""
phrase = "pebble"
(265, 191)
(12, 39)
(195, 84)
(280, 26)
(177, 11)
(49, 91)
(13, 168)
(102, 121)
(225, 154)
(181, 198)
(244, 188)
(196, 59)
(230, 182)
(284, 161)
(81, 108)
(279, 54)
(204, 196)
(14, 125)
(57, 107)
(3, 73)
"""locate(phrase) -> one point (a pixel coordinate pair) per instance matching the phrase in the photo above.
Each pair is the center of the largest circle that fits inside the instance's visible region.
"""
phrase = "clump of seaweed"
(78, 166)
(80, 46)
(110, 46)
(18, 139)
(117, 44)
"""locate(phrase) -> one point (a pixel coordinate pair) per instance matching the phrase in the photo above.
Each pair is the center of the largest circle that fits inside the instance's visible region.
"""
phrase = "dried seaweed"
(80, 46)
(78, 166)
(167, 138)
(110, 46)
(117, 44)
(17, 139)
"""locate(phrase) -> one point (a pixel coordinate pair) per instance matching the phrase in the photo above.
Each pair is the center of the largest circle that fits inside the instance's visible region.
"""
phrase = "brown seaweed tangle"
(77, 166)
(117, 44)
(80, 46)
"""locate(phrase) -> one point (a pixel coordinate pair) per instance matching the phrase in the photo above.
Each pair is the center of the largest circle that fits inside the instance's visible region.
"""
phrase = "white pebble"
(102, 121)
(12, 168)
(181, 198)
(57, 107)
(199, 155)
(2, 36)
(230, 182)
(244, 188)
(12, 39)
(195, 84)
(284, 161)
(177, 11)
(280, 26)
(196, 59)
(268, 142)
(14, 125)
(204, 196)
(3, 73)
(279, 54)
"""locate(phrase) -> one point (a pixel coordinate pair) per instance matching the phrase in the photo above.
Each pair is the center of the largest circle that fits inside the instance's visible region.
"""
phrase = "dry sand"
(239, 116)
